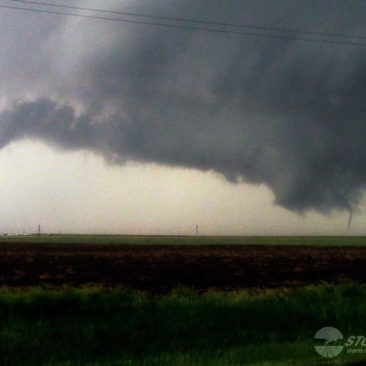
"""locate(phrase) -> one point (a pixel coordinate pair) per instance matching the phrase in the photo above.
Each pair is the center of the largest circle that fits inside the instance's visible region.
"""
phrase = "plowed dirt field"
(159, 268)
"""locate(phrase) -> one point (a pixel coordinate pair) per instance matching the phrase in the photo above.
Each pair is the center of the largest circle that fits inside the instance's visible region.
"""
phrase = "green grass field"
(94, 326)
(186, 240)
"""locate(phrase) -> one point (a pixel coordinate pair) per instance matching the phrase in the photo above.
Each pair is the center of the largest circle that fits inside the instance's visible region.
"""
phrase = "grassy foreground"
(94, 326)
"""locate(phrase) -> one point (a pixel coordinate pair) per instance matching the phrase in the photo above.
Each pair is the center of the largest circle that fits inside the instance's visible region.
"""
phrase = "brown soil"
(159, 268)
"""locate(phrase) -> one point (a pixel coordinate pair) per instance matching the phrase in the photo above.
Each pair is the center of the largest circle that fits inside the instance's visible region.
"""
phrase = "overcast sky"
(110, 127)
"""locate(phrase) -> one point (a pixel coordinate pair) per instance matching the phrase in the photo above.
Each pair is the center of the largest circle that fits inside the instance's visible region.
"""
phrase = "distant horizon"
(183, 235)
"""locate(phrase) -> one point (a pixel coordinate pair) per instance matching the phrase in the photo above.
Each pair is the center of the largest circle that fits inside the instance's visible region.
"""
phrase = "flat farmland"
(76, 300)
(159, 268)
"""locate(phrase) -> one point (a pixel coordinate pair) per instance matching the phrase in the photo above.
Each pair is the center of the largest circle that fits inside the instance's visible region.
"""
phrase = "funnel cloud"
(285, 113)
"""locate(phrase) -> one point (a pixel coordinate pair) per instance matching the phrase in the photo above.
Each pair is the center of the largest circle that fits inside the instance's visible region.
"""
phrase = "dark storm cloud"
(285, 113)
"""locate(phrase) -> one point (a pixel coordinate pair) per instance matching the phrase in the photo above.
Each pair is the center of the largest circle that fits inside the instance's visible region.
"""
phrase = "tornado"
(349, 222)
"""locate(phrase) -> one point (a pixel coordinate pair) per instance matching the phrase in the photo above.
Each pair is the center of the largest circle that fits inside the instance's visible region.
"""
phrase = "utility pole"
(39, 229)
(196, 230)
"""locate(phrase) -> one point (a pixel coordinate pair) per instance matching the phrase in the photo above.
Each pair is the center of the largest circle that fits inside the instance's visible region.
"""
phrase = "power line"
(186, 27)
(189, 20)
